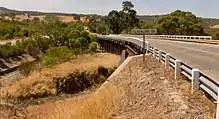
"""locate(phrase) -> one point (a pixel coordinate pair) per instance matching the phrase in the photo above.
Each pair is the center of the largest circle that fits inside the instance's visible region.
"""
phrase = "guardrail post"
(160, 55)
(148, 47)
(167, 61)
(217, 110)
(195, 79)
(177, 68)
(154, 52)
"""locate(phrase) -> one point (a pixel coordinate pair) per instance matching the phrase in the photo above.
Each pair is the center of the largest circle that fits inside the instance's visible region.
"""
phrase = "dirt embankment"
(42, 81)
(139, 91)
(151, 92)
(67, 78)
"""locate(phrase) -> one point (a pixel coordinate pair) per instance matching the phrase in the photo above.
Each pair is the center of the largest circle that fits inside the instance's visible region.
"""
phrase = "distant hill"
(150, 19)
(6, 11)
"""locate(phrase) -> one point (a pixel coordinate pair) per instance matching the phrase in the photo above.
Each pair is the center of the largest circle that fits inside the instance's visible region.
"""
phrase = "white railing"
(180, 37)
(197, 78)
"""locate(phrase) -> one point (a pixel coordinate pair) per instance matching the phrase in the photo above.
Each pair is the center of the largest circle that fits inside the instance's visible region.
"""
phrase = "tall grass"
(99, 105)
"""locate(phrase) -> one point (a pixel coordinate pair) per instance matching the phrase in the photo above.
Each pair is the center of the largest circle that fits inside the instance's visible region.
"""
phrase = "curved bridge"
(198, 62)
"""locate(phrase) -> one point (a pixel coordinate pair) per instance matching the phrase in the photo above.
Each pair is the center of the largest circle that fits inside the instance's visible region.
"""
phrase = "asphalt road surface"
(205, 57)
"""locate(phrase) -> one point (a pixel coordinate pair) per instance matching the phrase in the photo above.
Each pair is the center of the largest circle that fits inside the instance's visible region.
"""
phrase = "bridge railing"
(198, 79)
(180, 37)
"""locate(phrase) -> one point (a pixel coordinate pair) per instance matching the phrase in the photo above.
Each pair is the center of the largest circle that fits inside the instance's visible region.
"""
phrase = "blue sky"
(202, 8)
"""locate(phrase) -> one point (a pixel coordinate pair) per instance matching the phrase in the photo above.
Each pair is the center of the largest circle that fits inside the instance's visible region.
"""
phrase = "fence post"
(217, 110)
(177, 68)
(195, 79)
(160, 55)
(154, 52)
(167, 62)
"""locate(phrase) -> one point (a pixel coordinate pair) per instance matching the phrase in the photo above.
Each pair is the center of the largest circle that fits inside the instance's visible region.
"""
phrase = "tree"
(123, 20)
(127, 5)
(115, 22)
(12, 16)
(180, 23)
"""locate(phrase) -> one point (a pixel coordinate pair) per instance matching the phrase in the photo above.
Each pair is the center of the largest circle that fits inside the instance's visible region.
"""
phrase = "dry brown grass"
(215, 26)
(41, 83)
(98, 105)
(41, 17)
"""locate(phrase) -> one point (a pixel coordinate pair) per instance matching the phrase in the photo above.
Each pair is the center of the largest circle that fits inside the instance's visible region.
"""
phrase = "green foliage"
(83, 43)
(9, 50)
(102, 29)
(26, 68)
(123, 20)
(93, 37)
(216, 36)
(56, 55)
(180, 23)
(93, 46)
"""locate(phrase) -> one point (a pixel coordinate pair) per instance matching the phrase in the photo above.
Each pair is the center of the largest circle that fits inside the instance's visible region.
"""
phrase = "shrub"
(56, 55)
(74, 43)
(216, 36)
(9, 50)
(93, 46)
(26, 68)
(93, 37)
(83, 43)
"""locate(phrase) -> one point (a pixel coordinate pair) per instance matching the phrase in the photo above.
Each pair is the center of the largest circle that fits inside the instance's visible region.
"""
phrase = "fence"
(197, 78)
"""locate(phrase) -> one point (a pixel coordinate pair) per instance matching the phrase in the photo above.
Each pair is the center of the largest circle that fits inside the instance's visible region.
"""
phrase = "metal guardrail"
(180, 37)
(198, 79)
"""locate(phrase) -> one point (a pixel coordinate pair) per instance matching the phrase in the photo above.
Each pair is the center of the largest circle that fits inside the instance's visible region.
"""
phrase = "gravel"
(149, 91)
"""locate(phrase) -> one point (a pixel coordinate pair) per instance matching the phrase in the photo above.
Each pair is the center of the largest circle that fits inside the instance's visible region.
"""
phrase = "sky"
(201, 8)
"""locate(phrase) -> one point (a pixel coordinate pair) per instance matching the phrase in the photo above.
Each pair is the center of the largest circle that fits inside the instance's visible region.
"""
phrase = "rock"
(153, 89)
(142, 81)
(162, 78)
(151, 73)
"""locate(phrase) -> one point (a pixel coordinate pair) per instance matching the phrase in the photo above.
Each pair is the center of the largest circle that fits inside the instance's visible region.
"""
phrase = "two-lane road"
(205, 57)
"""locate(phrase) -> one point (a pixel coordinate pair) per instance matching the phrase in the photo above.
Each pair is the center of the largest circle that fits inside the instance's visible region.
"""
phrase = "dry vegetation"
(99, 105)
(42, 83)
(41, 17)
(138, 91)
(150, 92)
(215, 26)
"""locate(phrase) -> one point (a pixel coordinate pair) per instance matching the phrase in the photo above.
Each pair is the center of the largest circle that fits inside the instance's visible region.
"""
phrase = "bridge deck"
(150, 91)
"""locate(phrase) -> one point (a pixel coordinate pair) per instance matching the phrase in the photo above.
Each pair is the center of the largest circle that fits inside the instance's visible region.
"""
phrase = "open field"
(215, 26)
(41, 17)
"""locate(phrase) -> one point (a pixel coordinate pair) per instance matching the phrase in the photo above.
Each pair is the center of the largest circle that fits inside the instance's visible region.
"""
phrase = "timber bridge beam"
(118, 46)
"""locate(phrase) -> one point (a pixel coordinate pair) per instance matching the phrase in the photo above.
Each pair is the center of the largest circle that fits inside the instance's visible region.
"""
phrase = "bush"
(56, 55)
(216, 36)
(26, 68)
(9, 50)
(93, 37)
(93, 46)
(83, 43)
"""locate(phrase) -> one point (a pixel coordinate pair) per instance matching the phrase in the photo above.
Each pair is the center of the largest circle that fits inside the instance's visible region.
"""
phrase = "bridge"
(198, 62)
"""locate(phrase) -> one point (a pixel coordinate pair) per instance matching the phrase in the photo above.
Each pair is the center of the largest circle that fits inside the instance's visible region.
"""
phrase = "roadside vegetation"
(176, 23)
(48, 34)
